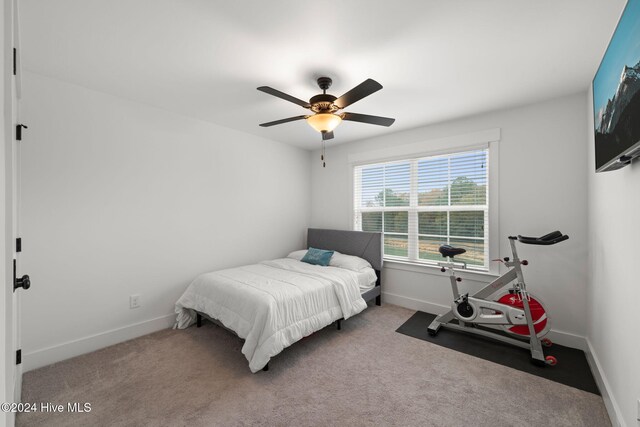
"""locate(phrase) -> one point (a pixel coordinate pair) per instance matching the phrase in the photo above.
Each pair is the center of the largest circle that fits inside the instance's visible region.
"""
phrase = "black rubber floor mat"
(572, 368)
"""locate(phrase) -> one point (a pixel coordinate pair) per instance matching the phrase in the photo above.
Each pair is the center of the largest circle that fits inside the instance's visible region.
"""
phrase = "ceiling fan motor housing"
(323, 103)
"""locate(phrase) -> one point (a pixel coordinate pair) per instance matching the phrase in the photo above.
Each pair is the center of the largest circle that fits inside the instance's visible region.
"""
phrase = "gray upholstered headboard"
(364, 244)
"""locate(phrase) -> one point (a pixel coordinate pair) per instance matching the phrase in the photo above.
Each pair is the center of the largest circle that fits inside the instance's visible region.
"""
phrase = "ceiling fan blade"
(365, 118)
(365, 88)
(279, 122)
(282, 95)
(327, 135)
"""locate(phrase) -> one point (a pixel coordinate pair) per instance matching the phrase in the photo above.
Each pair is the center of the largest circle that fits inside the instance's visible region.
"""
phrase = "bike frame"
(514, 273)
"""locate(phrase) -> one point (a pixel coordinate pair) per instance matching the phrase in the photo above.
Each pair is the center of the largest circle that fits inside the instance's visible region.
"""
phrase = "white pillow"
(348, 262)
(298, 254)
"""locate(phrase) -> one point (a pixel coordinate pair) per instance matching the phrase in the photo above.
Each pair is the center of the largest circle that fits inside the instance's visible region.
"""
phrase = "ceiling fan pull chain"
(322, 155)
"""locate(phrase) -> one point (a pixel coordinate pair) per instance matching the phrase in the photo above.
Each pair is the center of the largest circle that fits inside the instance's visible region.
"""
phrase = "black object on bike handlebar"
(547, 239)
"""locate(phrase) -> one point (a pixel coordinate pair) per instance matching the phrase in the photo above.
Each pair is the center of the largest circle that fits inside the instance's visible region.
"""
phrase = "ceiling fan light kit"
(324, 122)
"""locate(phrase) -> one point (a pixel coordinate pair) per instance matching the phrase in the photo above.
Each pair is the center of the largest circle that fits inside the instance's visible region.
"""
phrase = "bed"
(273, 304)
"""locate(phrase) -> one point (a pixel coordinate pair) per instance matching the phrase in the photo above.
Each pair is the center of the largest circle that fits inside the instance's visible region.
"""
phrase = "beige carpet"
(366, 374)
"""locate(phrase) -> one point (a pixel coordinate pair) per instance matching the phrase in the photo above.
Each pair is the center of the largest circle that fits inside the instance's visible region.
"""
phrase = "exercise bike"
(515, 311)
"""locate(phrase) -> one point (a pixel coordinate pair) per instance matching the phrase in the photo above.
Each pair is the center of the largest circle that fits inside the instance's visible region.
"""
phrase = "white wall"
(614, 288)
(120, 198)
(542, 187)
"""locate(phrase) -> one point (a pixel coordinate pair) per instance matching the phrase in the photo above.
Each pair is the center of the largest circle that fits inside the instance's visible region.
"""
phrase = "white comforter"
(272, 304)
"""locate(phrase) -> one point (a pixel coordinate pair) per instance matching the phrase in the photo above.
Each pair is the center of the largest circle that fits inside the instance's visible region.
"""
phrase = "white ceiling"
(437, 60)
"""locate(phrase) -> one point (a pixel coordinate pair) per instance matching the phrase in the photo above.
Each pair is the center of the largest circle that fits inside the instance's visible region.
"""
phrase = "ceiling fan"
(324, 107)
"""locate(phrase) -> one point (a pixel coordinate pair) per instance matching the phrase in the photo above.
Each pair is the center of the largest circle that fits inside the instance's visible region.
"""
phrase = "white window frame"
(489, 140)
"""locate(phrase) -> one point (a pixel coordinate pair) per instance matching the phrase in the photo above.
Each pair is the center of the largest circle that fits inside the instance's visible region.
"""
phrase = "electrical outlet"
(134, 301)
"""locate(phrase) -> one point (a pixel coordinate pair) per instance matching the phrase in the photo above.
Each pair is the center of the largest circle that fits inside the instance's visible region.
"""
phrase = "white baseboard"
(568, 339)
(605, 389)
(414, 304)
(46, 356)
(560, 337)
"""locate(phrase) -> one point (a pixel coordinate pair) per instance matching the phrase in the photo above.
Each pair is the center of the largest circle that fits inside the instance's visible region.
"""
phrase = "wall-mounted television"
(616, 95)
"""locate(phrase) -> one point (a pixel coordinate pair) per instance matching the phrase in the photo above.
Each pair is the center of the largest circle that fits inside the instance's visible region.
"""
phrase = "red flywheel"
(538, 313)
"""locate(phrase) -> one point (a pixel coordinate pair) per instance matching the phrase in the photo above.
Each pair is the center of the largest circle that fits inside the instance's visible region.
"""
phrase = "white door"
(11, 372)
(15, 101)
(16, 93)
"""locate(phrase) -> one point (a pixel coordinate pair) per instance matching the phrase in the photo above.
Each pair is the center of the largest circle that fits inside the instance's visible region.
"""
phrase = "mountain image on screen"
(618, 122)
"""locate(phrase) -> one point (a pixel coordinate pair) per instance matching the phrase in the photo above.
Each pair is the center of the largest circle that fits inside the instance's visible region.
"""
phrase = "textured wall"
(119, 198)
(542, 187)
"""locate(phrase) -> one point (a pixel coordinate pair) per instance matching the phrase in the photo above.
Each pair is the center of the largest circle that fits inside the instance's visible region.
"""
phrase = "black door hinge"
(18, 357)
(19, 244)
(19, 132)
(15, 61)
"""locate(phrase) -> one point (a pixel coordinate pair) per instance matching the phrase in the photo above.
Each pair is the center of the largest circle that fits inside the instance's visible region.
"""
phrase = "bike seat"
(450, 251)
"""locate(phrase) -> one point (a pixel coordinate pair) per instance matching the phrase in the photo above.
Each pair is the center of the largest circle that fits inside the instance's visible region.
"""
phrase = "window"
(422, 203)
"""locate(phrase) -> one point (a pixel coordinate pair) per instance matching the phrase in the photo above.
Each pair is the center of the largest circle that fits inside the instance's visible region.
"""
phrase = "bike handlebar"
(547, 239)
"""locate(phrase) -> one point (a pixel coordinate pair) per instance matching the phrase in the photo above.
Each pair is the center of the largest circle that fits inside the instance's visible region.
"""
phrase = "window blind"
(422, 203)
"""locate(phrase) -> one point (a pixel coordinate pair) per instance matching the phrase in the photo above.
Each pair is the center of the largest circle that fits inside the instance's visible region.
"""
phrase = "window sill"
(478, 275)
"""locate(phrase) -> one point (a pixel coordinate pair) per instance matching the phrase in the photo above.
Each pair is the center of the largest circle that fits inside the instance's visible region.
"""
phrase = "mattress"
(366, 279)
(273, 304)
